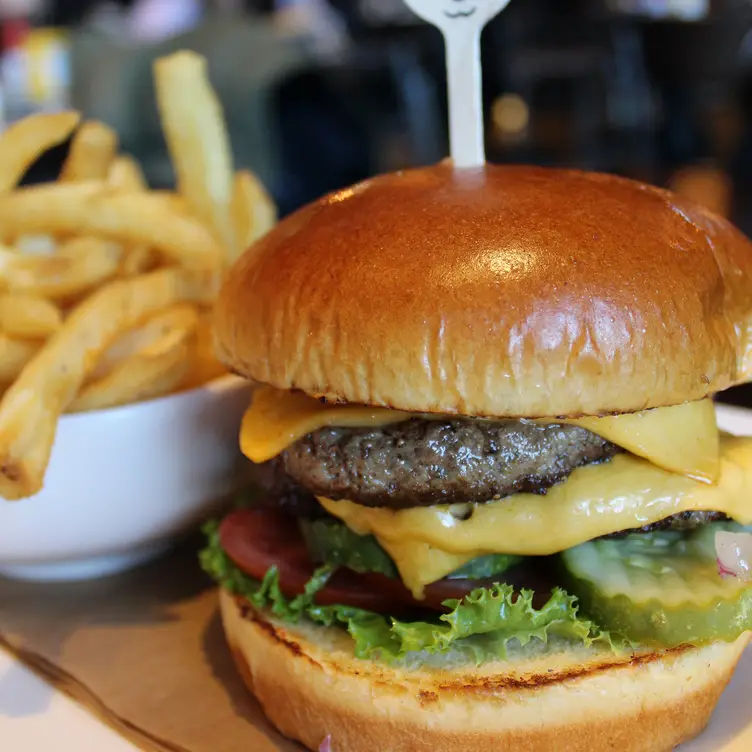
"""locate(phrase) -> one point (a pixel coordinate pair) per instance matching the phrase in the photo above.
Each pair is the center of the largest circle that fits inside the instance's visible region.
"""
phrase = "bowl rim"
(219, 385)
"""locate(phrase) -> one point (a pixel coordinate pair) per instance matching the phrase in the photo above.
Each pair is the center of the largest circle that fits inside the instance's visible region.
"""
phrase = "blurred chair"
(399, 61)
(305, 121)
(248, 61)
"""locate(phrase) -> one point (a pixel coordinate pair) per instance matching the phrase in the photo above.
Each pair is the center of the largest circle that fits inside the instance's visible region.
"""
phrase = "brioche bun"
(506, 292)
(310, 685)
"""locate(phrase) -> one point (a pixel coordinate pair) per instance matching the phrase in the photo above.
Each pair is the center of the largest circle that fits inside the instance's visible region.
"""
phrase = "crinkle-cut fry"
(147, 335)
(46, 387)
(126, 176)
(14, 355)
(91, 153)
(29, 316)
(154, 371)
(87, 208)
(80, 264)
(22, 143)
(253, 211)
(197, 139)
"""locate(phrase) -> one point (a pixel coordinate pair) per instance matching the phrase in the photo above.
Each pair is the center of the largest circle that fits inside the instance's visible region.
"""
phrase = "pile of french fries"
(106, 287)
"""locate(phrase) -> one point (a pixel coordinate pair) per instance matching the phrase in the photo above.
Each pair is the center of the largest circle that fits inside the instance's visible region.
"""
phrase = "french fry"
(170, 201)
(28, 316)
(154, 371)
(35, 245)
(139, 260)
(87, 209)
(197, 139)
(26, 140)
(47, 386)
(204, 365)
(182, 318)
(92, 151)
(126, 175)
(253, 211)
(14, 355)
(80, 264)
(106, 286)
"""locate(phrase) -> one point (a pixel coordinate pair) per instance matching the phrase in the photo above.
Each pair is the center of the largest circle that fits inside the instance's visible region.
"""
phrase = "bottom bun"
(551, 697)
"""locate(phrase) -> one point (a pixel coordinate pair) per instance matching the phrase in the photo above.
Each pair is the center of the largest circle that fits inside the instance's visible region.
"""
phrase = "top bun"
(506, 291)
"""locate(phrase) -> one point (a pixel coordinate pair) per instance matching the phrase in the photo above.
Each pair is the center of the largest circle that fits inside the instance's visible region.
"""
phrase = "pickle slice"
(660, 588)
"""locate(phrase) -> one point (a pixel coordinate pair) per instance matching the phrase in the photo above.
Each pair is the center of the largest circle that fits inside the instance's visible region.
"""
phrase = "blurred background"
(321, 93)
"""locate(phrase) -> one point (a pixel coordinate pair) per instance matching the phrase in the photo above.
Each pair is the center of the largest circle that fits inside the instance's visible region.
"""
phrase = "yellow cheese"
(683, 439)
(420, 564)
(278, 418)
(595, 500)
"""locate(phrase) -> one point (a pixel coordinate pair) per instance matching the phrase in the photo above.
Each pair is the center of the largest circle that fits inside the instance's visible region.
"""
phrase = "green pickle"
(660, 588)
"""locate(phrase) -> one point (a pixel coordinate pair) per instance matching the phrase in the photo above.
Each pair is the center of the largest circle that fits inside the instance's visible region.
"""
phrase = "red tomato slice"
(257, 539)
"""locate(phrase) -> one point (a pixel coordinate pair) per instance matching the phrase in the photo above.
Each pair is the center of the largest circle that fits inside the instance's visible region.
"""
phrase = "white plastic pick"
(461, 22)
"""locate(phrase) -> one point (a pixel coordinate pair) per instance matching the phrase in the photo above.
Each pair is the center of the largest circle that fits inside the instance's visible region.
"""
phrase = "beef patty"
(682, 522)
(422, 462)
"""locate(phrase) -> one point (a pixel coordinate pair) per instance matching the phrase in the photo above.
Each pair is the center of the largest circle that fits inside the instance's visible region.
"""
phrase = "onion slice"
(734, 554)
(326, 745)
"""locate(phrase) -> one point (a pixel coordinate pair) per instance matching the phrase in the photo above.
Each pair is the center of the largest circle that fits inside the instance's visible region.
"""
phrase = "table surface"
(34, 716)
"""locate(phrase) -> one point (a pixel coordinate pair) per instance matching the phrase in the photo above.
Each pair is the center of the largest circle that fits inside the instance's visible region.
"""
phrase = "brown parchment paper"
(145, 652)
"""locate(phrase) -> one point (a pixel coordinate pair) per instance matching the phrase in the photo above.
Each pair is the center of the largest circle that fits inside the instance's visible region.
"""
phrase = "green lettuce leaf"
(332, 542)
(482, 626)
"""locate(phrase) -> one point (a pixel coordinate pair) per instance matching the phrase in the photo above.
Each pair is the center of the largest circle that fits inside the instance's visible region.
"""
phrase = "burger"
(497, 511)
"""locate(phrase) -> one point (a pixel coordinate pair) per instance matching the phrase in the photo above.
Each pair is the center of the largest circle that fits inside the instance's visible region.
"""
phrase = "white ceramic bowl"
(124, 483)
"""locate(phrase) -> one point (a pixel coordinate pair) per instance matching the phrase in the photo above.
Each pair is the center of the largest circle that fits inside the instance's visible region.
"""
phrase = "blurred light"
(706, 185)
(510, 116)
(682, 10)
(154, 20)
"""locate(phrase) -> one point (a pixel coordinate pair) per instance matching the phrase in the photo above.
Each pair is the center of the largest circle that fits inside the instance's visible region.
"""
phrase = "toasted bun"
(310, 686)
(511, 291)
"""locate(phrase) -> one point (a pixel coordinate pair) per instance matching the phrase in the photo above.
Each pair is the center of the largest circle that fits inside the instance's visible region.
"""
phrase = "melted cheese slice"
(683, 438)
(420, 564)
(595, 500)
(278, 418)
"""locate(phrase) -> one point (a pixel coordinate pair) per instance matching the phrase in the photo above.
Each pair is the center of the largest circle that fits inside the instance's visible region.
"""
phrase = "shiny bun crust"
(509, 291)
(310, 686)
